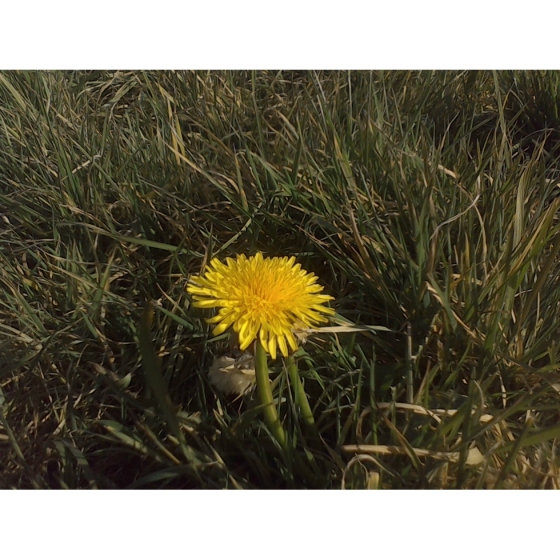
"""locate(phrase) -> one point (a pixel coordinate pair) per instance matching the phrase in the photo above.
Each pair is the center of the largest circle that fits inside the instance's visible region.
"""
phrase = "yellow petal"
(272, 347)
(282, 345)
(291, 341)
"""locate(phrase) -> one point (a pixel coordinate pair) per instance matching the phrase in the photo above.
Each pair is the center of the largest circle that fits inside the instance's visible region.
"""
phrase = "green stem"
(301, 397)
(265, 394)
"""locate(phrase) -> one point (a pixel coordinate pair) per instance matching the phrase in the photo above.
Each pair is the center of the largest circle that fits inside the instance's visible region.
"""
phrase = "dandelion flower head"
(264, 297)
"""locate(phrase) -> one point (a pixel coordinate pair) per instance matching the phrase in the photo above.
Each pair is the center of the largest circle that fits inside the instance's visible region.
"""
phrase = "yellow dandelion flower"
(264, 297)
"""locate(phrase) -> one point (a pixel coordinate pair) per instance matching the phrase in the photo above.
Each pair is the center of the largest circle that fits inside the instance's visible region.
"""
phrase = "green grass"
(426, 202)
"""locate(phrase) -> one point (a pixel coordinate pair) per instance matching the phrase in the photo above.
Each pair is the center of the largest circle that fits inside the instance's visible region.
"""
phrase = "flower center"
(265, 299)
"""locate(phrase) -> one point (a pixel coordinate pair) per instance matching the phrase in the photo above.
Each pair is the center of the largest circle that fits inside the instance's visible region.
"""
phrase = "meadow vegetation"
(427, 204)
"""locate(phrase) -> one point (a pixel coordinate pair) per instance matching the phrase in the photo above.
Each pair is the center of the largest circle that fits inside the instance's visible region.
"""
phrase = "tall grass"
(426, 202)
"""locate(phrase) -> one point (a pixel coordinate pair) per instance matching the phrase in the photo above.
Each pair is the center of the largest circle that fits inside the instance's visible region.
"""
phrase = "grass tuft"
(426, 202)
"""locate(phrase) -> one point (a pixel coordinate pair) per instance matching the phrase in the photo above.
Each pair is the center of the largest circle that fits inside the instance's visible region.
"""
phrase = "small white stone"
(229, 375)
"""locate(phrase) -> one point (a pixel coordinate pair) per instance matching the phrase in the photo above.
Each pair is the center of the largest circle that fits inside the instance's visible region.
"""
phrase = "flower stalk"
(299, 393)
(265, 395)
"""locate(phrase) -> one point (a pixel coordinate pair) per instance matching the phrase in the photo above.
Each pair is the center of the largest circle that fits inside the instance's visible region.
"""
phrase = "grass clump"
(426, 203)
